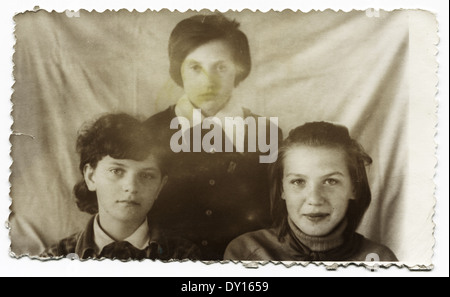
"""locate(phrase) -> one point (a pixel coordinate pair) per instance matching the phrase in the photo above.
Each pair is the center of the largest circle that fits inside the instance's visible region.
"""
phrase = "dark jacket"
(211, 198)
(161, 246)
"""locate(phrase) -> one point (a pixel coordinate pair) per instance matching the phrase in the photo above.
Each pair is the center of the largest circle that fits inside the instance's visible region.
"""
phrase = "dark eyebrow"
(326, 175)
(192, 61)
(116, 163)
(334, 173)
(295, 174)
(150, 169)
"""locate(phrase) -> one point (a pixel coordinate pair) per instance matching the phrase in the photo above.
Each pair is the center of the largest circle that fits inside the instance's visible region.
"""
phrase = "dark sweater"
(264, 245)
(210, 198)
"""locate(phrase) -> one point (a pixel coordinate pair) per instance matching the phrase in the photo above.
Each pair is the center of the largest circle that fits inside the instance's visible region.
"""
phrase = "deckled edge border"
(332, 265)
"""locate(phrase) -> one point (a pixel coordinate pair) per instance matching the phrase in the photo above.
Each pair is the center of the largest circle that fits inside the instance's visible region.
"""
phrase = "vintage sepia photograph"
(224, 137)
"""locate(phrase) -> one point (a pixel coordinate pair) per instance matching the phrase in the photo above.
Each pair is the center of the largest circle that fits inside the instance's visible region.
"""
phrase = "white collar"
(139, 239)
(184, 108)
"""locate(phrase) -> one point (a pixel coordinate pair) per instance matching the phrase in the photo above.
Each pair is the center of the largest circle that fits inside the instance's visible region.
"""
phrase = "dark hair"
(195, 31)
(330, 135)
(119, 136)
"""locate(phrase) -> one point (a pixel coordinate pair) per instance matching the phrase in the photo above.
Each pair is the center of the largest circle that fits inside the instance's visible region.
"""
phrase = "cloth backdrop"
(348, 68)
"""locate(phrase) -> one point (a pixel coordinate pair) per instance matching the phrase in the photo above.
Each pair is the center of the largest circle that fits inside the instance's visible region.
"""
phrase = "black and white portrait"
(201, 135)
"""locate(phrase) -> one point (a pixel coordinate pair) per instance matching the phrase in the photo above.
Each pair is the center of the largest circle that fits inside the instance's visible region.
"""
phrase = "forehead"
(307, 159)
(147, 164)
(212, 51)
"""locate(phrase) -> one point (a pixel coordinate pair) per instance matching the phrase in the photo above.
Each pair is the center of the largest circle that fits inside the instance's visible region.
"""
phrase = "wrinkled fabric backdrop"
(346, 68)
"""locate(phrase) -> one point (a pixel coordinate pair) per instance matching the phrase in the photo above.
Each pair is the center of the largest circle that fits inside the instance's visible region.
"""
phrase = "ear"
(283, 196)
(88, 173)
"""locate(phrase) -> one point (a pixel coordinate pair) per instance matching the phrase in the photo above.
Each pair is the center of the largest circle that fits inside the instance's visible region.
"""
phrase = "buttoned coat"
(211, 197)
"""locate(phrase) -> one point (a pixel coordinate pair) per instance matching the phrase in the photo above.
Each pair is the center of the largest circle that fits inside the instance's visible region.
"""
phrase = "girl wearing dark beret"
(212, 196)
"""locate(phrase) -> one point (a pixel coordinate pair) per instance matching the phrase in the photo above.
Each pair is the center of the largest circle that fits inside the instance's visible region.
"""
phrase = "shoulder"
(63, 247)
(247, 245)
(159, 125)
(172, 247)
(161, 117)
(249, 113)
(370, 248)
(77, 243)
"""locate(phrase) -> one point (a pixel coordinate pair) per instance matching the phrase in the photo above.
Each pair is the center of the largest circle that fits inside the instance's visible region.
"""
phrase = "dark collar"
(86, 248)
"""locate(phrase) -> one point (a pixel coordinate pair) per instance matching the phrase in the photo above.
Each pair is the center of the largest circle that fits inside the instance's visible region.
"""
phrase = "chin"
(210, 111)
(319, 233)
(316, 230)
(130, 217)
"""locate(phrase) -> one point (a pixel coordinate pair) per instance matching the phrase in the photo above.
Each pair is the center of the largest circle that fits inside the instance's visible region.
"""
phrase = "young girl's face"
(316, 187)
(208, 75)
(126, 189)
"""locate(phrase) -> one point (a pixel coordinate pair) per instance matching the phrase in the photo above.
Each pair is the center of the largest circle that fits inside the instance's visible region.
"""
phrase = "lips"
(316, 216)
(209, 94)
(128, 202)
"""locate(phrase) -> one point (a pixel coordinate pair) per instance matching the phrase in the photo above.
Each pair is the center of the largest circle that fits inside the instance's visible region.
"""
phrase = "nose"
(130, 184)
(315, 196)
(213, 79)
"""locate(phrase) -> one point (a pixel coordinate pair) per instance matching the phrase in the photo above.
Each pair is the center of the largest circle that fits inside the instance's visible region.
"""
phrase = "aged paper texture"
(371, 71)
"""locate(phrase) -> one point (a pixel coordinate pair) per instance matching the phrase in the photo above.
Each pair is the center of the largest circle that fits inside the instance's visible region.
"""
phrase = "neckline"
(320, 243)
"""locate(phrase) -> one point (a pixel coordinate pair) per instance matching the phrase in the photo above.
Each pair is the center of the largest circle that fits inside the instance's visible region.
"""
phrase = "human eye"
(222, 67)
(298, 182)
(331, 181)
(195, 67)
(117, 172)
(148, 175)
